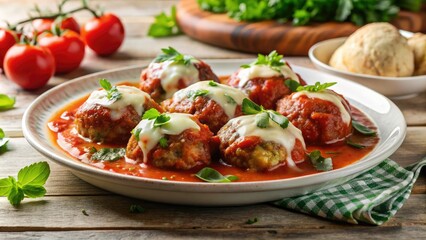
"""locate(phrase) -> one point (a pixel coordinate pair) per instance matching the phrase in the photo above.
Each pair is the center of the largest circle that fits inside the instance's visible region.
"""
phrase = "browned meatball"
(183, 151)
(321, 121)
(262, 149)
(102, 124)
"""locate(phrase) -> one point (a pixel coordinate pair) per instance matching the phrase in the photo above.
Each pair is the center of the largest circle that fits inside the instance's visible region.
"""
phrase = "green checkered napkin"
(373, 197)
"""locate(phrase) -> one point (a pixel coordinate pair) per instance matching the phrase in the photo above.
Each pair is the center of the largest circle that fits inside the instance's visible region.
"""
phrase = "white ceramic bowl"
(321, 53)
(387, 117)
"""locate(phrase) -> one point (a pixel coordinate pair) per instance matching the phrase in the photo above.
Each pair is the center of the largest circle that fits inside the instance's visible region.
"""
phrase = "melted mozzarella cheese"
(130, 96)
(246, 126)
(264, 71)
(221, 94)
(170, 73)
(328, 95)
(149, 135)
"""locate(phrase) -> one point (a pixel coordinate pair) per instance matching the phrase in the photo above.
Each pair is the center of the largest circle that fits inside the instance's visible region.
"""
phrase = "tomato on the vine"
(29, 66)
(7, 40)
(104, 34)
(67, 49)
(45, 24)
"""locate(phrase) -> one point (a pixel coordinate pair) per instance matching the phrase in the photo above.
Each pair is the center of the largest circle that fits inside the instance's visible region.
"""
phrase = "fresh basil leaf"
(6, 102)
(105, 84)
(273, 60)
(316, 87)
(292, 84)
(229, 99)
(109, 154)
(212, 176)
(362, 128)
(262, 120)
(249, 107)
(354, 145)
(34, 174)
(3, 144)
(2, 135)
(278, 118)
(213, 83)
(164, 25)
(161, 120)
(151, 114)
(134, 208)
(163, 142)
(16, 195)
(6, 185)
(197, 93)
(34, 191)
(171, 54)
(319, 162)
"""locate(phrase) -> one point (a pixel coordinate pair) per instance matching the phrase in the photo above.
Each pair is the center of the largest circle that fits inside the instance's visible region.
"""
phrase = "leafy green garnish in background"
(6, 102)
(135, 208)
(30, 183)
(164, 25)
(154, 114)
(112, 92)
(212, 176)
(320, 163)
(3, 142)
(263, 116)
(109, 154)
(273, 60)
(217, 6)
(171, 54)
(363, 129)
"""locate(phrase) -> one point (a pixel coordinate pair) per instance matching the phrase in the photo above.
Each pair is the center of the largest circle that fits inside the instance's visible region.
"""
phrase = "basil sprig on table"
(30, 183)
(3, 142)
(263, 115)
(273, 60)
(171, 54)
(6, 102)
(112, 92)
(159, 118)
(319, 162)
(164, 25)
(317, 87)
(210, 175)
(109, 154)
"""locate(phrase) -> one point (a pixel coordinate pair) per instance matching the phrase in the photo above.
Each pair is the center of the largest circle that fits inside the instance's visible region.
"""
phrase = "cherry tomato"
(67, 49)
(29, 66)
(45, 24)
(104, 35)
(7, 40)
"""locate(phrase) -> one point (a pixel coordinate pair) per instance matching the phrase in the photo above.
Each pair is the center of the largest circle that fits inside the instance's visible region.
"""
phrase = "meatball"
(163, 78)
(213, 103)
(263, 84)
(245, 145)
(324, 117)
(103, 120)
(182, 143)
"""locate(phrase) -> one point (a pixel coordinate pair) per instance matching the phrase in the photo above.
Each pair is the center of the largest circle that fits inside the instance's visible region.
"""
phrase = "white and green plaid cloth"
(373, 197)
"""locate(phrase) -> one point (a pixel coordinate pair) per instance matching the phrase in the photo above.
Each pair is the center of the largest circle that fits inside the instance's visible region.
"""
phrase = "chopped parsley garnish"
(229, 99)
(112, 92)
(213, 83)
(164, 25)
(3, 142)
(109, 154)
(163, 142)
(159, 118)
(251, 221)
(263, 116)
(92, 150)
(6, 102)
(135, 208)
(197, 93)
(273, 60)
(30, 183)
(317, 87)
(171, 54)
(320, 163)
(136, 132)
(212, 176)
(363, 129)
(354, 145)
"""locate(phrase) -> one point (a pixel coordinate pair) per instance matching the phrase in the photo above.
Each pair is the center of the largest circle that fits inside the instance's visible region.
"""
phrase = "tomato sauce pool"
(64, 135)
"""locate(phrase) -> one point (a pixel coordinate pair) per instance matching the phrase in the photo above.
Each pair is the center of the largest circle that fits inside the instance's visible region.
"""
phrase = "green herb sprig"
(354, 144)
(361, 128)
(30, 183)
(6, 102)
(317, 87)
(320, 163)
(159, 118)
(108, 154)
(3, 141)
(171, 54)
(197, 93)
(163, 142)
(112, 92)
(211, 175)
(273, 60)
(263, 116)
(165, 25)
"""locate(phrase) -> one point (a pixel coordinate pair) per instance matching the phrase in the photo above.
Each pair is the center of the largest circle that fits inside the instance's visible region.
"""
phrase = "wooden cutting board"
(265, 36)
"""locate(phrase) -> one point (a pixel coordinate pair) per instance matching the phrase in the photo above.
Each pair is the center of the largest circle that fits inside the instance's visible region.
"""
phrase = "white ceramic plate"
(385, 114)
(321, 53)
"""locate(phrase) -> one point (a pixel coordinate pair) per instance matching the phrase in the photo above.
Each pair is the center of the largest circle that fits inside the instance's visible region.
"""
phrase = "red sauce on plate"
(65, 137)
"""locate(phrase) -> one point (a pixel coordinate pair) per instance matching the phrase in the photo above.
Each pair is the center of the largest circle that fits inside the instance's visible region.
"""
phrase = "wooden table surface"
(59, 213)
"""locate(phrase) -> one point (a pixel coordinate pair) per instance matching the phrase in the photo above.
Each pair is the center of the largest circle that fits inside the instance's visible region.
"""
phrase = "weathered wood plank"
(361, 232)
(112, 212)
